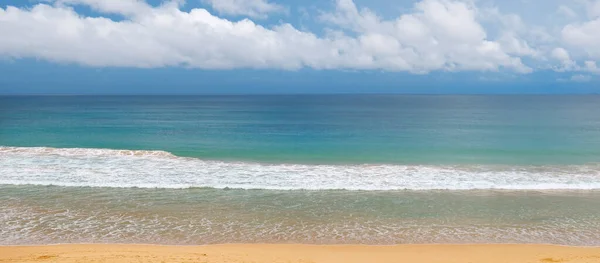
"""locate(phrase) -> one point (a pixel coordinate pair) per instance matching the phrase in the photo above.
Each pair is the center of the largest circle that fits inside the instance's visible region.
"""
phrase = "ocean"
(317, 169)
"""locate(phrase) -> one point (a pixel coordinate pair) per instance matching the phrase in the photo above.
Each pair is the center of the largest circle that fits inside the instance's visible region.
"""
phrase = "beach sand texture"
(300, 253)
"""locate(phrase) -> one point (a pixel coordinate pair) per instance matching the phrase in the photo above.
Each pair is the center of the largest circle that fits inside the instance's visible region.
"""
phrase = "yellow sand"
(300, 253)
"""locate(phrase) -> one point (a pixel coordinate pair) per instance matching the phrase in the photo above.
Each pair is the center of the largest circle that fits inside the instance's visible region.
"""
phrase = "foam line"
(159, 169)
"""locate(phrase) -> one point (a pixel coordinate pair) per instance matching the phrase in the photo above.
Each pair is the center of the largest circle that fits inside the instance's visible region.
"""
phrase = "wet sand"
(301, 253)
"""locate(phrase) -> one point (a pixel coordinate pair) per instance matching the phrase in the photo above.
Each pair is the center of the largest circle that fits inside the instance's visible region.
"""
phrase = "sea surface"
(319, 169)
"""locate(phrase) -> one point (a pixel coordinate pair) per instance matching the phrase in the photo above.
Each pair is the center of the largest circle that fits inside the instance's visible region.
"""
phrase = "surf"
(86, 167)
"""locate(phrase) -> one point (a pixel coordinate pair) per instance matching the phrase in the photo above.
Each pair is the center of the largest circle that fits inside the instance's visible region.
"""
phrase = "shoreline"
(259, 253)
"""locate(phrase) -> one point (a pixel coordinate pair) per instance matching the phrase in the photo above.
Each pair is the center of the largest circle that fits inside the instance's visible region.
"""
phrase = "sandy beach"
(300, 253)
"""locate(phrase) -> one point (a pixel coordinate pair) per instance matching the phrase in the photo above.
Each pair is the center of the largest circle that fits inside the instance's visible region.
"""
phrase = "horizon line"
(283, 94)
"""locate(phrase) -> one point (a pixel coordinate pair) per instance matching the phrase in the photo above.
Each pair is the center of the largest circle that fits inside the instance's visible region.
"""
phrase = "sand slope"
(301, 254)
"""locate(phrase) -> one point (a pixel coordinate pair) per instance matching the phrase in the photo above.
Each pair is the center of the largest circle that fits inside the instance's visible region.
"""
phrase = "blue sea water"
(319, 129)
(374, 169)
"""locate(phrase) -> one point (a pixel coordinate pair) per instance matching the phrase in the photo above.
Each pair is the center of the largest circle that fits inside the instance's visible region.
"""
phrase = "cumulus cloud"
(584, 36)
(438, 35)
(251, 8)
(563, 56)
(434, 35)
(165, 36)
(591, 66)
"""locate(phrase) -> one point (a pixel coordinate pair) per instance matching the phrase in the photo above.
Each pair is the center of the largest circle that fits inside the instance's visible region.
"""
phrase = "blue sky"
(277, 46)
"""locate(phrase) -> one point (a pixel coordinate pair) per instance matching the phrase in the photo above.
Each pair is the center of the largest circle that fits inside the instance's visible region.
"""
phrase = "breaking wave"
(159, 169)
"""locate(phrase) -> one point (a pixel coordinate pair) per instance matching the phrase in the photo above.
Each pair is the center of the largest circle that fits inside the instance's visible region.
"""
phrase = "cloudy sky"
(328, 46)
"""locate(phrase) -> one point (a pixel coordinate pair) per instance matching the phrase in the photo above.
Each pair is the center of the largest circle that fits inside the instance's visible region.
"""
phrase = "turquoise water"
(325, 129)
(370, 169)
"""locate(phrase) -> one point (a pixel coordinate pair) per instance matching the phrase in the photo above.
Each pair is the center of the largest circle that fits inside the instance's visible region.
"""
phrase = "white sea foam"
(159, 169)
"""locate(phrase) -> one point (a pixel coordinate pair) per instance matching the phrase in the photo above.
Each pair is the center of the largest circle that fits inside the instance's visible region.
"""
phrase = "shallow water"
(42, 214)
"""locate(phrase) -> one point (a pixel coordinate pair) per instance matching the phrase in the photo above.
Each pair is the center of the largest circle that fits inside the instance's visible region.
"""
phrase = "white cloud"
(566, 11)
(515, 45)
(591, 66)
(438, 35)
(576, 78)
(516, 36)
(566, 63)
(164, 37)
(581, 78)
(593, 8)
(584, 36)
(561, 54)
(250, 8)
(433, 35)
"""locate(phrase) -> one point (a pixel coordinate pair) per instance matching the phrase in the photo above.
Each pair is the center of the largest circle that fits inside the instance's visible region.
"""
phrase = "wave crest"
(83, 151)
(160, 169)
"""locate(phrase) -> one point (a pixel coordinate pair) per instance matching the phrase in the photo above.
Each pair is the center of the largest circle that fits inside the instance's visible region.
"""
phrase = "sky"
(294, 46)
